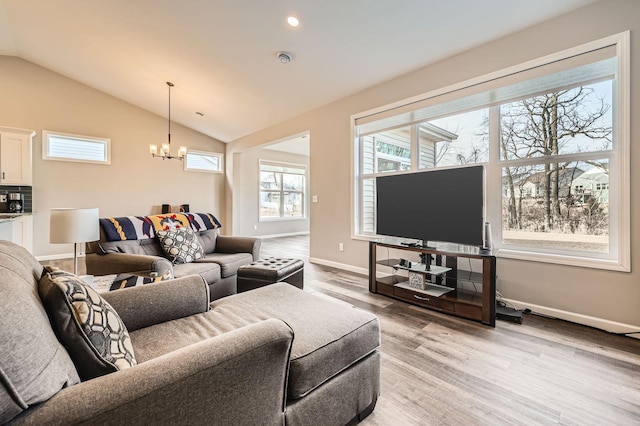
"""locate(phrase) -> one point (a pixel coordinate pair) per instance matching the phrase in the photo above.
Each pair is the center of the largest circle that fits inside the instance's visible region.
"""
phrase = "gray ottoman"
(268, 271)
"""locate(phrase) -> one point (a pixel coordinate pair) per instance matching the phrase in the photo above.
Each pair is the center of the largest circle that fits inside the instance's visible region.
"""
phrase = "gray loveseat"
(272, 356)
(219, 267)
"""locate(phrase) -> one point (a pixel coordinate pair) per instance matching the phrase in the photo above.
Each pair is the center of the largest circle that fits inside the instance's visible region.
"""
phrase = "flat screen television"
(439, 205)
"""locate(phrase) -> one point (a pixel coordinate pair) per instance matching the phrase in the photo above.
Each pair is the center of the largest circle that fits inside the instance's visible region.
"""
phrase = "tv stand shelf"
(449, 288)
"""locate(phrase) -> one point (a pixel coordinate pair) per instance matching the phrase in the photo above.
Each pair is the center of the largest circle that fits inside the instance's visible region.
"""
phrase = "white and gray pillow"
(87, 325)
(181, 245)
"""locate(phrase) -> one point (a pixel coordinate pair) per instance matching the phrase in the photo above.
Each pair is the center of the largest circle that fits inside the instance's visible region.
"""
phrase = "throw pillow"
(181, 245)
(87, 325)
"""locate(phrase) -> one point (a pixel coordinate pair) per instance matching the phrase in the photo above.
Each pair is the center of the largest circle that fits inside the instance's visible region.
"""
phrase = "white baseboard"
(343, 266)
(602, 324)
(291, 234)
(61, 256)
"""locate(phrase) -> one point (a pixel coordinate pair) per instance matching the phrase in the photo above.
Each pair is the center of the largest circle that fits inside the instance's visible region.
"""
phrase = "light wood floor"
(442, 370)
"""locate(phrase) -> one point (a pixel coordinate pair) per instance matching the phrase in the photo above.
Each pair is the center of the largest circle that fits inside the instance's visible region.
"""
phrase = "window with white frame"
(553, 136)
(201, 161)
(67, 147)
(282, 190)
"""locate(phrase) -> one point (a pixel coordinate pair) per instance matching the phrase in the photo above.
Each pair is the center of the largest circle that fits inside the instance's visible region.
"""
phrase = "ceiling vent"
(285, 57)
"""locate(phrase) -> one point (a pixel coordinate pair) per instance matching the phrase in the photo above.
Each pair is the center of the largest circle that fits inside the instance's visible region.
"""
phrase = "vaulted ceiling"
(221, 54)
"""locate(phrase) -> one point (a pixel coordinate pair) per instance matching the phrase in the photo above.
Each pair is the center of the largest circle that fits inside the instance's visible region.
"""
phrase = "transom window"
(77, 148)
(201, 161)
(282, 190)
(552, 136)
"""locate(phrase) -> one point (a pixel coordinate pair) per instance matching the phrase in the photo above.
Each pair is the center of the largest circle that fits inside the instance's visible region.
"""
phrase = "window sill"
(281, 219)
(582, 262)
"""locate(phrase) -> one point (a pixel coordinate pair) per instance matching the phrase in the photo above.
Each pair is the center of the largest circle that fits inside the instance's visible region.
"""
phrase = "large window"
(67, 147)
(282, 190)
(553, 136)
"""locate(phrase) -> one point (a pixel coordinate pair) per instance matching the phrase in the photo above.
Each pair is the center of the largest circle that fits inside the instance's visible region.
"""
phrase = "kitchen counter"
(6, 217)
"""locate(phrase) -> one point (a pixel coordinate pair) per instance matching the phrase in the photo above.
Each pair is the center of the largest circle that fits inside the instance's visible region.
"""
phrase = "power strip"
(509, 314)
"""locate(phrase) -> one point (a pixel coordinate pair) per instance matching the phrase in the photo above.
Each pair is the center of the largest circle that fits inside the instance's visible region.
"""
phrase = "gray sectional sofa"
(272, 356)
(219, 267)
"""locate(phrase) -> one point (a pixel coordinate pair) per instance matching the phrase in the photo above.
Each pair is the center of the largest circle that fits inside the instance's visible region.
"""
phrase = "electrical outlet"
(314, 199)
(255, 227)
(341, 247)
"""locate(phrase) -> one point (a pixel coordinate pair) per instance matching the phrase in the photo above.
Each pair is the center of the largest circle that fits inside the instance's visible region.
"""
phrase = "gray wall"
(134, 184)
(579, 294)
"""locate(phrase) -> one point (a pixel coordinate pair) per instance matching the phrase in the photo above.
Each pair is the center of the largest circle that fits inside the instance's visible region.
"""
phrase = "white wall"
(246, 181)
(134, 184)
(582, 294)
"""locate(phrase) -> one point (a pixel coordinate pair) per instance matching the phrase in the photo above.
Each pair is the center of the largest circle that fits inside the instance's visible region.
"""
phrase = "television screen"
(440, 205)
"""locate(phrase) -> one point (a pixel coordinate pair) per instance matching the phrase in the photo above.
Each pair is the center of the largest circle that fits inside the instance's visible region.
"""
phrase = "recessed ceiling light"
(293, 21)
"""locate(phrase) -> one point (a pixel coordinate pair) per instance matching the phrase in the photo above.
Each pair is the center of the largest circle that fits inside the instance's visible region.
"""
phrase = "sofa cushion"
(208, 240)
(329, 336)
(181, 245)
(209, 271)
(88, 326)
(34, 366)
(229, 262)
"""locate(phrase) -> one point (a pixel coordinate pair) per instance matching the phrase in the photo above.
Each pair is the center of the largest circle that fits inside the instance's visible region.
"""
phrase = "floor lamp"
(75, 226)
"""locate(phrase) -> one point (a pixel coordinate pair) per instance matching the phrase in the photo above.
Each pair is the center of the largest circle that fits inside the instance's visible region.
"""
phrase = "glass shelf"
(460, 274)
(434, 290)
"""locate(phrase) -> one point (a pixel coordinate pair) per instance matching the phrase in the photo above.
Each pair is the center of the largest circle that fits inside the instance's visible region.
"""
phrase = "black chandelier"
(165, 148)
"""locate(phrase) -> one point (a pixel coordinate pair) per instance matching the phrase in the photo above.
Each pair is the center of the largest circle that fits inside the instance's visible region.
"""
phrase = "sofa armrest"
(142, 306)
(115, 263)
(227, 244)
(235, 378)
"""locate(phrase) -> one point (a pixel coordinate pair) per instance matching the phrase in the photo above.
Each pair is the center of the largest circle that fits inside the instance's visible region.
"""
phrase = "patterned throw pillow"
(87, 325)
(181, 245)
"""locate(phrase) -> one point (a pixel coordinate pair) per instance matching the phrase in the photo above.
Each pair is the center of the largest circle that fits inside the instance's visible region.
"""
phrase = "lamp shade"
(74, 226)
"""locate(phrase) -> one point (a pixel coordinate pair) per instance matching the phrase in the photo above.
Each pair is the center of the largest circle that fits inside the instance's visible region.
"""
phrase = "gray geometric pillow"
(181, 245)
(87, 325)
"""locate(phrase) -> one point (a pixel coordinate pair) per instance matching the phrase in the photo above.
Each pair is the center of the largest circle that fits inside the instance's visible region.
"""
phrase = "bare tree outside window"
(542, 196)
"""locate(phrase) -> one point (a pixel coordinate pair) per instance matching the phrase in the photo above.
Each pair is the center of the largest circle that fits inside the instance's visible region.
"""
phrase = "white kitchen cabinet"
(15, 156)
(22, 233)
(17, 229)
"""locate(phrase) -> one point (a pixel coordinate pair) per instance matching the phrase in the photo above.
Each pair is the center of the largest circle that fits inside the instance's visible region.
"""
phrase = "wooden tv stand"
(453, 284)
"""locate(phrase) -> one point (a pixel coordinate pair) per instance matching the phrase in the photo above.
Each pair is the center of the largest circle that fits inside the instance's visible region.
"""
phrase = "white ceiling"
(221, 54)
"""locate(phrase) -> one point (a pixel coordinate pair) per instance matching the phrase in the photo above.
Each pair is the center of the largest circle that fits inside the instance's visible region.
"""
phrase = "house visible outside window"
(282, 190)
(201, 161)
(553, 138)
(68, 147)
